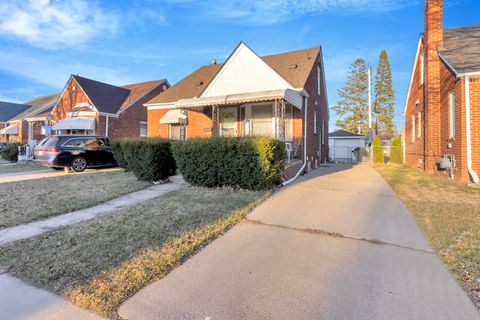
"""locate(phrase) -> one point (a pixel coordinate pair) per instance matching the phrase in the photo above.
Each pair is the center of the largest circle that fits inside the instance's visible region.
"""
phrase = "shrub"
(149, 159)
(118, 153)
(10, 152)
(396, 150)
(378, 153)
(253, 163)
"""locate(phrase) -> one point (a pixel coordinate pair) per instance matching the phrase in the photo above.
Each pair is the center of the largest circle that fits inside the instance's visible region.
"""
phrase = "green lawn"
(449, 215)
(12, 168)
(99, 263)
(25, 201)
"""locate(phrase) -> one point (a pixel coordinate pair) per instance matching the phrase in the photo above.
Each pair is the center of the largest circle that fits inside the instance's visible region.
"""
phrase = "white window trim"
(140, 129)
(419, 124)
(315, 122)
(413, 128)
(451, 113)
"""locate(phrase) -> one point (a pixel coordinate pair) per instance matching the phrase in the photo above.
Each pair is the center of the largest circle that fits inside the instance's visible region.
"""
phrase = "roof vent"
(198, 83)
(293, 66)
(214, 61)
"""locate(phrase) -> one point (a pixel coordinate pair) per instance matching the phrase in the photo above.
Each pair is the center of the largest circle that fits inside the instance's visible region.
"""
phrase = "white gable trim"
(413, 73)
(225, 84)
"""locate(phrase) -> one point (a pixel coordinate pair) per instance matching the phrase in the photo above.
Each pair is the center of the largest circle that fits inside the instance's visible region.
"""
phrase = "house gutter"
(304, 147)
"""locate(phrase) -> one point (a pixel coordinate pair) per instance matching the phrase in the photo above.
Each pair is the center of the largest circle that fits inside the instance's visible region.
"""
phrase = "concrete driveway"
(336, 244)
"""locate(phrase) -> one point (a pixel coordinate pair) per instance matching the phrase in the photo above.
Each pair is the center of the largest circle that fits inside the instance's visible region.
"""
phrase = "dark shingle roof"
(106, 97)
(8, 110)
(112, 99)
(461, 48)
(344, 133)
(192, 85)
(37, 104)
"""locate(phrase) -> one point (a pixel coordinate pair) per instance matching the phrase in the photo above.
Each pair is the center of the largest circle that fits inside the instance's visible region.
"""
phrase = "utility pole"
(369, 99)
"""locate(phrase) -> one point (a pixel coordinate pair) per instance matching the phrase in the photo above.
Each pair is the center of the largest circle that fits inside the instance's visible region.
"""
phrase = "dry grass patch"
(448, 213)
(26, 201)
(98, 264)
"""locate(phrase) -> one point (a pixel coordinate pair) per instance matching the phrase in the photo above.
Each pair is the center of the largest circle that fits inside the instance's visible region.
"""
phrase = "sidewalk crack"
(337, 235)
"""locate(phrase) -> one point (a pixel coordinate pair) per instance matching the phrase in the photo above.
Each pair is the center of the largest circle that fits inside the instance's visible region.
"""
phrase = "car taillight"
(52, 150)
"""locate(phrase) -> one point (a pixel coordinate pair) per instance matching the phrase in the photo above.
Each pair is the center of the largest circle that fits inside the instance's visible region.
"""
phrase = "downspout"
(106, 126)
(305, 104)
(471, 172)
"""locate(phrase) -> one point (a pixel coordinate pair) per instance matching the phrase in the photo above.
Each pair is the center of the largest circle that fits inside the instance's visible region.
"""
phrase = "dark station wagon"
(75, 152)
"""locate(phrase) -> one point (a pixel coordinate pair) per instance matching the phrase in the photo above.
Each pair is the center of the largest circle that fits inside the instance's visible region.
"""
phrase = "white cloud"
(53, 24)
(54, 73)
(274, 11)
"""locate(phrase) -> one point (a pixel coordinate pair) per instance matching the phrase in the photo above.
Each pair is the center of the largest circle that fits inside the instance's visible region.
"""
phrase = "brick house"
(19, 127)
(282, 96)
(442, 110)
(87, 106)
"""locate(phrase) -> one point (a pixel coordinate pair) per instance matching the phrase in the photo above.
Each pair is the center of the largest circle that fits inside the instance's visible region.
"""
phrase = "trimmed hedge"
(150, 159)
(253, 163)
(396, 150)
(10, 152)
(118, 153)
(378, 152)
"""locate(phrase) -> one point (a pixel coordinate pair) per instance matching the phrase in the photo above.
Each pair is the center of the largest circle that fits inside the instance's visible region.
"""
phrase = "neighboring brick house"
(19, 127)
(282, 95)
(87, 106)
(442, 110)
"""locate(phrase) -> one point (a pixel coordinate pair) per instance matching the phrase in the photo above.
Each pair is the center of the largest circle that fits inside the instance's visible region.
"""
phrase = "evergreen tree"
(352, 106)
(384, 99)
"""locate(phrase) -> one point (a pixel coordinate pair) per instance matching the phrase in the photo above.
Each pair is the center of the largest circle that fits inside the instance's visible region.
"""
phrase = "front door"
(228, 122)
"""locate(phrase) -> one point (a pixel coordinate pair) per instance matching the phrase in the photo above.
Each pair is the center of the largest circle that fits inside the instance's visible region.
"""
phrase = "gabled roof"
(340, 133)
(294, 67)
(461, 48)
(37, 105)
(9, 110)
(108, 98)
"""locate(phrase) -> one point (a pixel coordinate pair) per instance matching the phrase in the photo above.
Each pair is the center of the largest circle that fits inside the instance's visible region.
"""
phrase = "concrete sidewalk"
(19, 300)
(31, 229)
(336, 244)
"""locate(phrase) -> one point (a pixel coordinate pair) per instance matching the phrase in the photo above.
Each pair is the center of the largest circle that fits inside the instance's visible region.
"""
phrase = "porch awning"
(13, 129)
(288, 95)
(173, 116)
(75, 124)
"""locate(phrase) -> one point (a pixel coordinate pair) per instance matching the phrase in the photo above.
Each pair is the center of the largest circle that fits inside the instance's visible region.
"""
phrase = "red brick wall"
(127, 124)
(199, 123)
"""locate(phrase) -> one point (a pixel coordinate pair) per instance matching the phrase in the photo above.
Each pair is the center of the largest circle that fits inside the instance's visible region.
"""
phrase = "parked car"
(75, 152)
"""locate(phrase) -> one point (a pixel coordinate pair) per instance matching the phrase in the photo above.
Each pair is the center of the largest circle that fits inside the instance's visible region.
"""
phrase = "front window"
(174, 132)
(143, 129)
(419, 124)
(413, 128)
(451, 98)
(261, 120)
(288, 122)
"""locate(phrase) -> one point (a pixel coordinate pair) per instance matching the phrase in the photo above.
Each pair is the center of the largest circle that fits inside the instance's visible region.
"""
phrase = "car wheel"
(79, 164)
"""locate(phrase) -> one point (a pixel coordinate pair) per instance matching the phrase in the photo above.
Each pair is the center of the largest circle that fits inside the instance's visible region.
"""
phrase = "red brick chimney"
(433, 40)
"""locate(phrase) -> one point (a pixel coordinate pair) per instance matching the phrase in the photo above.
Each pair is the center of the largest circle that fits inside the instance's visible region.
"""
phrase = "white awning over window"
(13, 129)
(75, 124)
(173, 116)
(289, 95)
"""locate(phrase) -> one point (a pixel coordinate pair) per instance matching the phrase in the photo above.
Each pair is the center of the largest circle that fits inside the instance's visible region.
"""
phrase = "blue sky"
(42, 42)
